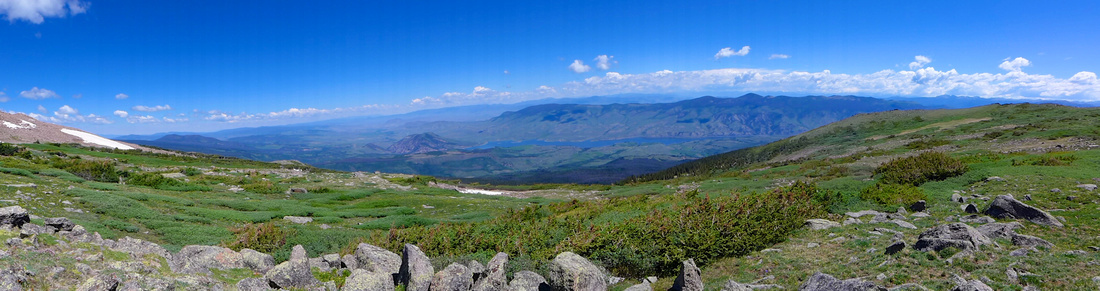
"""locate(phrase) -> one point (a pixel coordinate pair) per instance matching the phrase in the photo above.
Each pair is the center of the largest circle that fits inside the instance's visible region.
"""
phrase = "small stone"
(970, 208)
(918, 206)
(903, 224)
(820, 224)
(895, 247)
(1056, 190)
(812, 245)
(298, 219)
(1088, 187)
(1076, 253)
(880, 277)
(1027, 197)
(1020, 252)
(995, 179)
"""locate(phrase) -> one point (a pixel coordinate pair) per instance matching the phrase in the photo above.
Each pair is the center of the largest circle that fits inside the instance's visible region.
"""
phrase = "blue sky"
(116, 67)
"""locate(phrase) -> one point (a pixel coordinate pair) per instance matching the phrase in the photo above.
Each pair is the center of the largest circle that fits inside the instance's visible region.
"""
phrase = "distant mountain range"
(537, 143)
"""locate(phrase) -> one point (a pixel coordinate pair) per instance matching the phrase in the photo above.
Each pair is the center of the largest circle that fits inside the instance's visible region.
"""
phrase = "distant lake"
(585, 144)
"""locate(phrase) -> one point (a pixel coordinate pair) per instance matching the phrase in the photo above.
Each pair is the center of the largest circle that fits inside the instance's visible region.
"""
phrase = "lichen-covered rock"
(291, 274)
(30, 229)
(732, 285)
(569, 271)
(495, 277)
(333, 260)
(416, 270)
(257, 261)
(195, 259)
(298, 253)
(376, 259)
(133, 246)
(101, 282)
(14, 215)
(60, 224)
(643, 286)
(363, 280)
(477, 269)
(824, 282)
(258, 284)
(527, 281)
(455, 277)
(350, 262)
(972, 285)
(958, 235)
(690, 277)
(820, 224)
(1007, 207)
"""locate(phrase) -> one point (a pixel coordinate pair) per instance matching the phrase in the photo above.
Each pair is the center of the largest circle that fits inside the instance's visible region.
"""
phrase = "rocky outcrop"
(258, 284)
(200, 259)
(376, 259)
(256, 261)
(956, 235)
(363, 280)
(495, 277)
(416, 271)
(59, 224)
(14, 215)
(455, 277)
(293, 273)
(527, 281)
(824, 282)
(972, 285)
(1007, 207)
(569, 271)
(821, 224)
(102, 282)
(690, 277)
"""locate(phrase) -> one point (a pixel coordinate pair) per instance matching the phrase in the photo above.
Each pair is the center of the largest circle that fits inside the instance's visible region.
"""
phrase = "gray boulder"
(689, 279)
(30, 229)
(477, 269)
(250, 284)
(495, 277)
(1000, 230)
(918, 206)
(974, 218)
(1087, 187)
(527, 281)
(14, 215)
(732, 285)
(333, 261)
(455, 277)
(200, 259)
(416, 270)
(350, 262)
(970, 208)
(298, 253)
(291, 274)
(135, 247)
(257, 261)
(644, 286)
(824, 282)
(363, 280)
(958, 235)
(1007, 207)
(569, 271)
(820, 224)
(972, 285)
(60, 224)
(376, 259)
(1024, 240)
(895, 247)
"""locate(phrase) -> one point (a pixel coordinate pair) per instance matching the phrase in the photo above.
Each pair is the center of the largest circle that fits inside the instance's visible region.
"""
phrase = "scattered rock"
(1030, 241)
(824, 282)
(690, 278)
(974, 218)
(1022, 252)
(293, 273)
(496, 278)
(527, 281)
(1027, 197)
(376, 259)
(972, 285)
(195, 259)
(918, 206)
(851, 220)
(732, 285)
(14, 215)
(859, 214)
(820, 224)
(60, 224)
(957, 198)
(297, 190)
(1076, 253)
(956, 235)
(102, 282)
(254, 284)
(970, 208)
(812, 245)
(257, 261)
(644, 286)
(1088, 187)
(1055, 190)
(569, 271)
(895, 247)
(298, 219)
(416, 270)
(363, 280)
(995, 179)
(903, 224)
(920, 214)
(455, 277)
(1007, 207)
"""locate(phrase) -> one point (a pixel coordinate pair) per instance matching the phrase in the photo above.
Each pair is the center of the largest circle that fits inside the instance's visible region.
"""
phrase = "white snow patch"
(479, 191)
(99, 140)
(23, 124)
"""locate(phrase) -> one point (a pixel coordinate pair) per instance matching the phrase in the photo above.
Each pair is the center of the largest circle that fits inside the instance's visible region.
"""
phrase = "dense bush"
(927, 143)
(7, 149)
(102, 171)
(639, 235)
(263, 237)
(892, 194)
(915, 170)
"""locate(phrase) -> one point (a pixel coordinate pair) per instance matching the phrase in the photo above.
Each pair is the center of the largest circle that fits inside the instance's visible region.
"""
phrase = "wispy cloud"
(143, 108)
(778, 56)
(121, 96)
(4, 97)
(578, 67)
(919, 62)
(68, 114)
(604, 62)
(38, 94)
(36, 11)
(729, 52)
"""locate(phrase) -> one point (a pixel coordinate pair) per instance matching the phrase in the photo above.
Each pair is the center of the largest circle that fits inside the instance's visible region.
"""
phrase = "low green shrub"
(892, 194)
(16, 171)
(263, 237)
(158, 181)
(264, 187)
(101, 171)
(915, 170)
(7, 149)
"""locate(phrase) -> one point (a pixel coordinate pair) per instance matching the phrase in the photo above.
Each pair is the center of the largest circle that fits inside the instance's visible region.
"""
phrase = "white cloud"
(4, 97)
(66, 109)
(919, 62)
(778, 56)
(152, 109)
(604, 62)
(1014, 65)
(121, 113)
(35, 11)
(121, 96)
(78, 96)
(38, 93)
(506, 72)
(579, 67)
(728, 52)
(42, 109)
